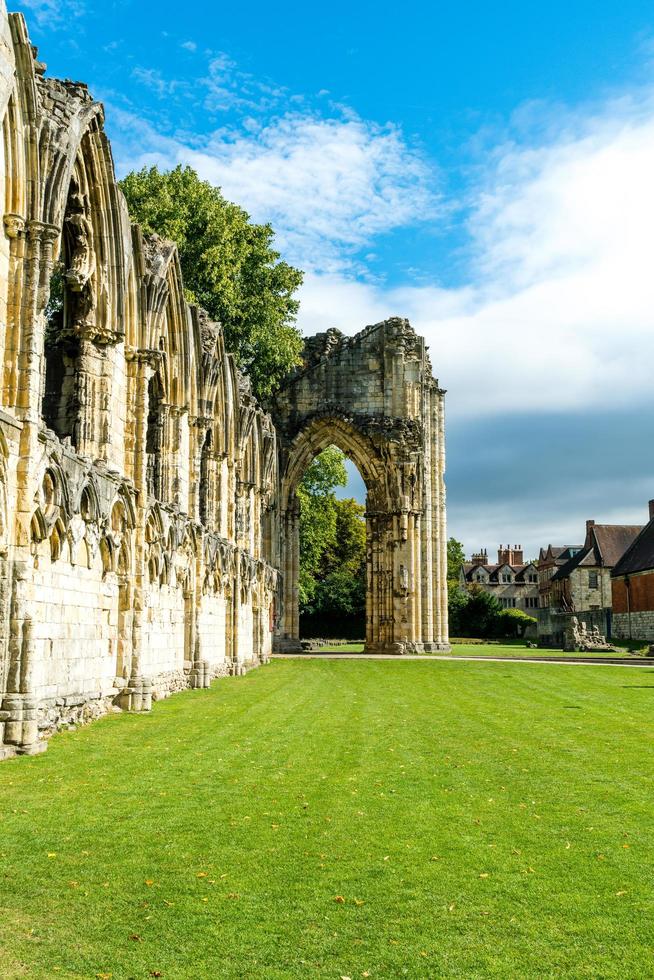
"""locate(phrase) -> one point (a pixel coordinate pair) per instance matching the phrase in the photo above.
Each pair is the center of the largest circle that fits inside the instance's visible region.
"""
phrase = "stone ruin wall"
(138, 475)
(147, 501)
(375, 397)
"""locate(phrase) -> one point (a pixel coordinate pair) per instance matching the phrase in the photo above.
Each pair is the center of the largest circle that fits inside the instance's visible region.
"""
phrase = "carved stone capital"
(14, 225)
(144, 355)
(42, 232)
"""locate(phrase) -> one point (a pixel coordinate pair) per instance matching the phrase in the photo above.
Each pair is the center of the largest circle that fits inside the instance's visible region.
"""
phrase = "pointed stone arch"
(374, 396)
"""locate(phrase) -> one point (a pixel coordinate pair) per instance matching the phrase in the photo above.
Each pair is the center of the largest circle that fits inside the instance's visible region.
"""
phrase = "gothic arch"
(373, 395)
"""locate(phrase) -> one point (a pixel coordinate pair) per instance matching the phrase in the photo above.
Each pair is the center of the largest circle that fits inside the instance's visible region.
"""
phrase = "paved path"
(569, 661)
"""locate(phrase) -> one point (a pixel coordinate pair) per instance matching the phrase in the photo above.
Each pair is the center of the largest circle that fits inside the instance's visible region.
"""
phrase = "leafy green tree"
(513, 623)
(457, 601)
(349, 551)
(478, 616)
(455, 558)
(332, 547)
(318, 518)
(229, 267)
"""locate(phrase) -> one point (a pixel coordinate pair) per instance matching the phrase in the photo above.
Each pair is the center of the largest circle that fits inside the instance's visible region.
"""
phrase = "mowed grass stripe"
(479, 820)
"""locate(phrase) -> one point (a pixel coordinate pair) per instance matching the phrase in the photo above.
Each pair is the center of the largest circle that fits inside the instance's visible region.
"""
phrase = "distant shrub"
(513, 623)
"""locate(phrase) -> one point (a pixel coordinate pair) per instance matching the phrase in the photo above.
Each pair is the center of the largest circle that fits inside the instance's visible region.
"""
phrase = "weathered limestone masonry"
(138, 476)
(374, 396)
(147, 502)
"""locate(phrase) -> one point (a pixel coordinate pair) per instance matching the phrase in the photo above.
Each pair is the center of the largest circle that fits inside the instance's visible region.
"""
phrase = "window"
(506, 577)
(531, 602)
(508, 603)
(592, 580)
(532, 578)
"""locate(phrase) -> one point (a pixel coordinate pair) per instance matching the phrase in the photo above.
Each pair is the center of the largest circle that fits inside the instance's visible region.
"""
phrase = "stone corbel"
(144, 355)
(14, 225)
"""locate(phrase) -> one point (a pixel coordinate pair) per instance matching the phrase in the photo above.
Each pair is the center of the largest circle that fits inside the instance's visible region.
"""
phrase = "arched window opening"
(60, 404)
(154, 437)
(69, 314)
(205, 489)
(332, 576)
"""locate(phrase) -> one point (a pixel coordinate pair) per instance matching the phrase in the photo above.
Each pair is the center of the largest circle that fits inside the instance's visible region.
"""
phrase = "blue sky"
(485, 169)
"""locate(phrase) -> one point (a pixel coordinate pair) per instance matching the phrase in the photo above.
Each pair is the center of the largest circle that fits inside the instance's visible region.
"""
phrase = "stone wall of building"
(633, 606)
(137, 472)
(634, 626)
(586, 597)
(146, 498)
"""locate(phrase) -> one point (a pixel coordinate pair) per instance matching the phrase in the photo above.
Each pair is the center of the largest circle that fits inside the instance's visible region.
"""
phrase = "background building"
(512, 581)
(581, 586)
(550, 560)
(633, 587)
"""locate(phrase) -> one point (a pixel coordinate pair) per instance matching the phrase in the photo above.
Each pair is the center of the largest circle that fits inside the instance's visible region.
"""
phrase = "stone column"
(33, 267)
(198, 426)
(14, 226)
(19, 709)
(443, 638)
(287, 640)
(87, 376)
(141, 365)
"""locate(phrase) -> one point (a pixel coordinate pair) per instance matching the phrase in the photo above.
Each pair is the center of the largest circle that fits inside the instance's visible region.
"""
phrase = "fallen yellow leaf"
(339, 899)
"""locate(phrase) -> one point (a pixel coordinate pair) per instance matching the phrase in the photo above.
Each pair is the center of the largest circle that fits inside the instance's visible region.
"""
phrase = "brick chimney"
(510, 555)
(651, 510)
(589, 525)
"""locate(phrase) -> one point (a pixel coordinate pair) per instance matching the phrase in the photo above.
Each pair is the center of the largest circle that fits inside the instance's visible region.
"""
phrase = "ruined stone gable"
(148, 520)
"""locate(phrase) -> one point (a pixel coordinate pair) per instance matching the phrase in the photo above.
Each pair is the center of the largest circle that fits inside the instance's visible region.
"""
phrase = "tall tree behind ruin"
(229, 266)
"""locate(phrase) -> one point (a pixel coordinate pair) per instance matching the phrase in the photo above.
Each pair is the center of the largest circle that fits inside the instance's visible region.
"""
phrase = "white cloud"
(559, 313)
(227, 87)
(49, 13)
(154, 80)
(328, 186)
(189, 46)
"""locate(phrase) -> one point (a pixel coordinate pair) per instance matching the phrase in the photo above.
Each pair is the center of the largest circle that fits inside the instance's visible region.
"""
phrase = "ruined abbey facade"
(148, 514)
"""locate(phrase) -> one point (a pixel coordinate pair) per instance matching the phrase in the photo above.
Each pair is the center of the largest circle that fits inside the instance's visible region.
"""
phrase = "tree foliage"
(455, 558)
(332, 545)
(476, 613)
(229, 267)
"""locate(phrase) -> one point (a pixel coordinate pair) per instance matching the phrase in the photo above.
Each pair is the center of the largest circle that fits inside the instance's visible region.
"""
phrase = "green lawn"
(522, 651)
(508, 648)
(342, 819)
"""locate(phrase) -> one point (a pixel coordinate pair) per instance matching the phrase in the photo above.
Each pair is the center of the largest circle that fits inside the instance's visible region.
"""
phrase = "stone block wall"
(633, 606)
(634, 626)
(137, 472)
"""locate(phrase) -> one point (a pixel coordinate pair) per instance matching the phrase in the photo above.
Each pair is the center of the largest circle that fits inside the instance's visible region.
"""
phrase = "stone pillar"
(199, 426)
(142, 363)
(287, 639)
(87, 378)
(14, 226)
(440, 567)
(19, 708)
